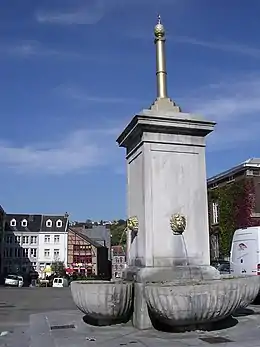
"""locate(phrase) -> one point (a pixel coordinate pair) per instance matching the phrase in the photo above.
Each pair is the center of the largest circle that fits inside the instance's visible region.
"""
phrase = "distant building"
(2, 234)
(53, 238)
(98, 233)
(87, 256)
(118, 261)
(34, 242)
(234, 202)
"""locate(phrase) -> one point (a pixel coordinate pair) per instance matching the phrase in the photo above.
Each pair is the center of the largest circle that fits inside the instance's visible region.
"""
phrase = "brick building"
(234, 202)
(87, 256)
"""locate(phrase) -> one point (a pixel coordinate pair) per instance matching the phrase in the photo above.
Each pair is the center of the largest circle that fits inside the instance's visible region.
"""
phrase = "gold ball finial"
(159, 30)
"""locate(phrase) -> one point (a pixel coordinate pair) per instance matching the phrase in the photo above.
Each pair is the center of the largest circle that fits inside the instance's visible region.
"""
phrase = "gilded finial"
(159, 28)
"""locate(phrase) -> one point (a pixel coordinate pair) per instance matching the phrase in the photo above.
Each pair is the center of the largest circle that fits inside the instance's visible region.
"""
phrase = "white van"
(60, 282)
(245, 252)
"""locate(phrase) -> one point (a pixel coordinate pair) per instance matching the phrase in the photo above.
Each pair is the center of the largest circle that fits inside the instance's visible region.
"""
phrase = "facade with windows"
(233, 202)
(32, 242)
(2, 237)
(52, 242)
(86, 256)
(118, 261)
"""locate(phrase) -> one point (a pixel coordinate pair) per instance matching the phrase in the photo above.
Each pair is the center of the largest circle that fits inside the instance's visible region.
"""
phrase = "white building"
(34, 242)
(53, 242)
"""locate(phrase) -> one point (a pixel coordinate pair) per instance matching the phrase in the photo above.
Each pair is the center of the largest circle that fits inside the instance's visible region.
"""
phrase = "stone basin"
(192, 303)
(103, 302)
(249, 288)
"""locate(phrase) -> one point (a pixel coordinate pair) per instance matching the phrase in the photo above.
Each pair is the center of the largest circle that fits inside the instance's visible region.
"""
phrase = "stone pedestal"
(165, 152)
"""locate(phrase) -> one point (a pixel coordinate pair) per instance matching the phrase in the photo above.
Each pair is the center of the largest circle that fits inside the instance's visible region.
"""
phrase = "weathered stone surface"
(192, 303)
(103, 302)
(249, 288)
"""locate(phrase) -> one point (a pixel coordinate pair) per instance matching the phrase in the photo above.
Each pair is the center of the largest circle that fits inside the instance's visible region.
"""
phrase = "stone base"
(167, 274)
(141, 317)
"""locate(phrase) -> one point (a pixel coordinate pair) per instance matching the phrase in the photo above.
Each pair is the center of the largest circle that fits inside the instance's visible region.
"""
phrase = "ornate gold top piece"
(178, 223)
(159, 30)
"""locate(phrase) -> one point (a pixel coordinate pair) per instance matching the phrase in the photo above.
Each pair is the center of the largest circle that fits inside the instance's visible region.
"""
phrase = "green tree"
(58, 268)
(118, 234)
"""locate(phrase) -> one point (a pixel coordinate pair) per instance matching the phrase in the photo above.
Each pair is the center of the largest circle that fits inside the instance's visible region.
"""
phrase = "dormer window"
(59, 223)
(24, 223)
(13, 223)
(48, 223)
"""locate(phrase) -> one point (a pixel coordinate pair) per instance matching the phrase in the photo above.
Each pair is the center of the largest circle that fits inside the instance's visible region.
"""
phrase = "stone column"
(166, 174)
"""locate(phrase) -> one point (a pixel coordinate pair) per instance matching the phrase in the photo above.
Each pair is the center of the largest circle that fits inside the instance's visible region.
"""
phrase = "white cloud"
(79, 151)
(231, 47)
(235, 106)
(78, 12)
(32, 48)
(79, 94)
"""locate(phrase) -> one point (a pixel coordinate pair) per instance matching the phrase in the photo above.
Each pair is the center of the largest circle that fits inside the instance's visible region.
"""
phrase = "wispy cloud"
(235, 105)
(79, 151)
(82, 95)
(32, 48)
(81, 12)
(231, 47)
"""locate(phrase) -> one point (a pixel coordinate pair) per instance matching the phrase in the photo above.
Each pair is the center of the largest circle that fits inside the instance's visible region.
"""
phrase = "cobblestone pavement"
(68, 330)
(40, 317)
(17, 304)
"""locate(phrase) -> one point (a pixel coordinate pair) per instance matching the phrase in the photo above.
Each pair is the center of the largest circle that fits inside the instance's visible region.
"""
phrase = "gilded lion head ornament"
(132, 223)
(178, 223)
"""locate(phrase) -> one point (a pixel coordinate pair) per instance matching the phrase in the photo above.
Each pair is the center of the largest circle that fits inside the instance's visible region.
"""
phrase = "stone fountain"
(168, 278)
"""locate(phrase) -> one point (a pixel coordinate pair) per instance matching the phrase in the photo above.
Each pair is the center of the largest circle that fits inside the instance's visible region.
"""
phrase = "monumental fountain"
(168, 278)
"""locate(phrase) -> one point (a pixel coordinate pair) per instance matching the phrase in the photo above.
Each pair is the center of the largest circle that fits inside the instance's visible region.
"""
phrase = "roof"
(99, 233)
(77, 231)
(251, 163)
(118, 250)
(2, 211)
(35, 222)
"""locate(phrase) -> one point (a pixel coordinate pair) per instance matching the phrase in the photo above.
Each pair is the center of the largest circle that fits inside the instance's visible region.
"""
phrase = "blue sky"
(74, 72)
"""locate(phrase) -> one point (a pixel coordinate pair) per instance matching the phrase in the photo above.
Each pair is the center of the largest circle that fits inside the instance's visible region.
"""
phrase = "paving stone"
(244, 331)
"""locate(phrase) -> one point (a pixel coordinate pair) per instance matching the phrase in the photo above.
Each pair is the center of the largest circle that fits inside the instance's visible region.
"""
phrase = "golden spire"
(161, 74)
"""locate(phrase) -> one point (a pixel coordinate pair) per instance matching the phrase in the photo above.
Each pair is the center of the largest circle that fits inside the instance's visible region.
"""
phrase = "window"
(56, 253)
(56, 238)
(215, 213)
(33, 240)
(25, 239)
(49, 223)
(82, 259)
(17, 239)
(25, 252)
(17, 252)
(9, 239)
(47, 238)
(59, 223)
(33, 252)
(13, 223)
(46, 253)
(24, 223)
(8, 252)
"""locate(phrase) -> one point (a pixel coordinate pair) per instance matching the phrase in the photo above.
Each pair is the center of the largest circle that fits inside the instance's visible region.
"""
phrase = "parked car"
(14, 281)
(20, 281)
(224, 268)
(60, 282)
(245, 252)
